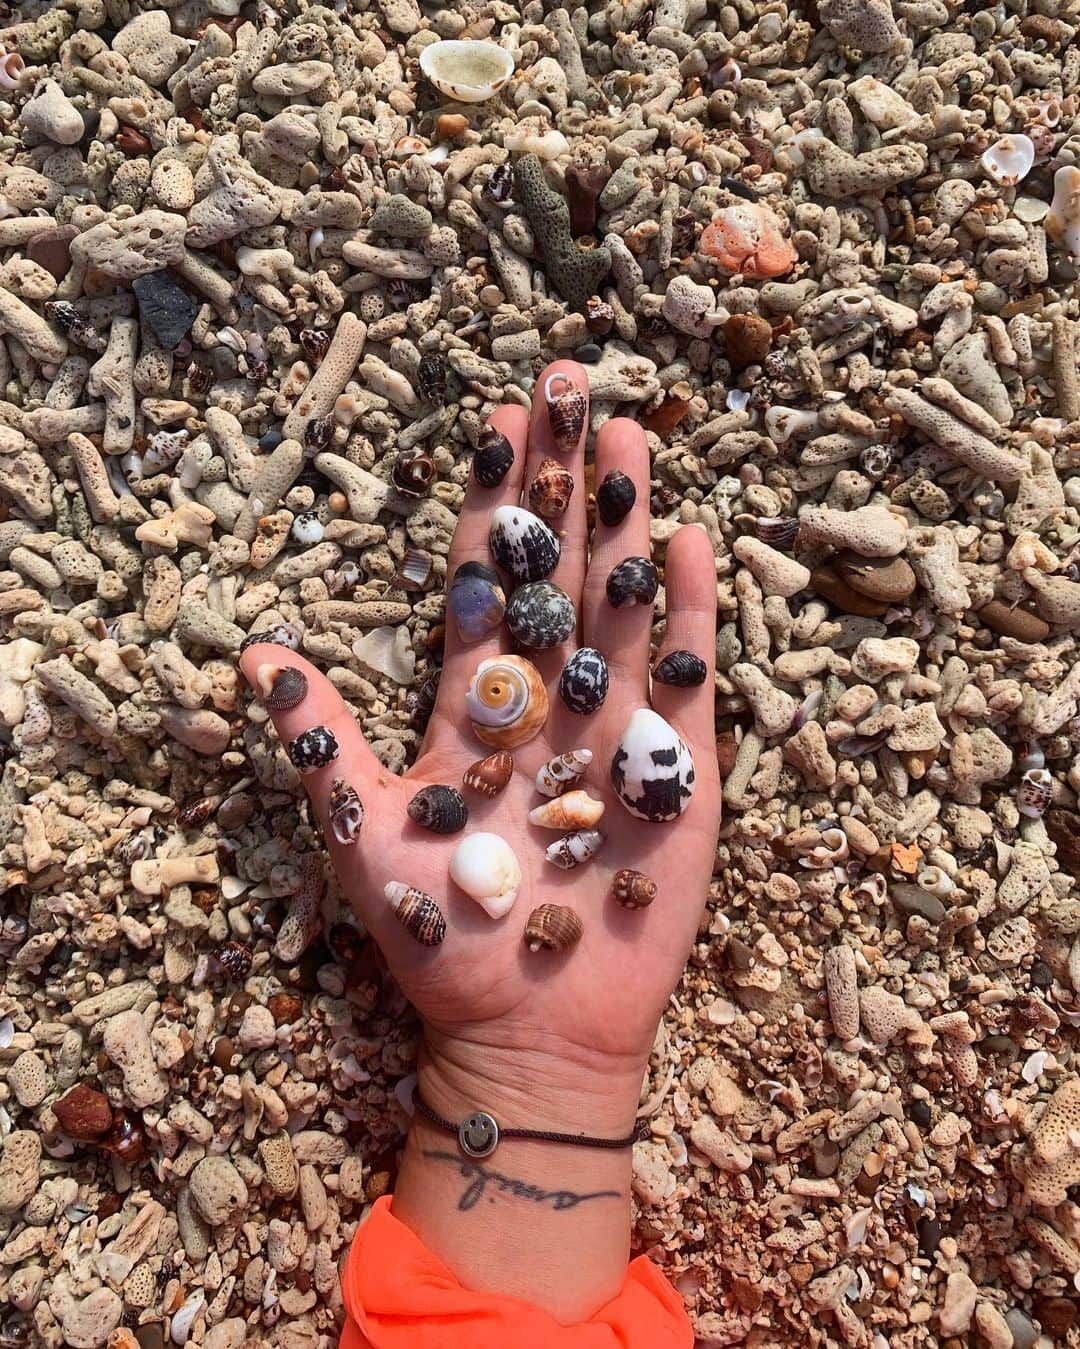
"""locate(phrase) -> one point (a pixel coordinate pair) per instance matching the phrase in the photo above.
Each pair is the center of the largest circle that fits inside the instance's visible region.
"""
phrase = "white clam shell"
(486, 868)
(1009, 160)
(468, 71)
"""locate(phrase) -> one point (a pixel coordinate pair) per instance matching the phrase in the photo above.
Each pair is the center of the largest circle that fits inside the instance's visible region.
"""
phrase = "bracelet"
(479, 1134)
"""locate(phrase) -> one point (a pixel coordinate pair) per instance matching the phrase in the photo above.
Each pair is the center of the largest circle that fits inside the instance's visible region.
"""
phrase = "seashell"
(507, 702)
(540, 615)
(1033, 792)
(11, 67)
(493, 458)
(746, 238)
(499, 184)
(875, 461)
(830, 850)
(522, 544)
(566, 408)
(777, 531)
(318, 433)
(486, 868)
(632, 889)
(1009, 160)
(573, 850)
(316, 342)
(469, 71)
(346, 812)
(281, 687)
(417, 912)
(314, 749)
(615, 498)
(414, 571)
(440, 809)
(476, 600)
(583, 684)
(431, 377)
(489, 776)
(652, 769)
(558, 774)
(807, 708)
(571, 811)
(935, 882)
(682, 669)
(234, 959)
(413, 472)
(550, 491)
(281, 634)
(633, 581)
(553, 927)
(1063, 220)
(307, 529)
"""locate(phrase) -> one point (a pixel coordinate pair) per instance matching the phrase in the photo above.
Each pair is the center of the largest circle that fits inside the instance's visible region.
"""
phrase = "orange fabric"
(400, 1296)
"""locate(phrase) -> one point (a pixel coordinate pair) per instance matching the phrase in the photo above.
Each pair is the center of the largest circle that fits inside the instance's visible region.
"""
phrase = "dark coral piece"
(575, 272)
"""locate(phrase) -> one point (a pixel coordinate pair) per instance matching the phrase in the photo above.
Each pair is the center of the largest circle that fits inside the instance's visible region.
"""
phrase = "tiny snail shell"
(571, 811)
(553, 927)
(681, 669)
(831, 850)
(413, 472)
(1033, 792)
(431, 377)
(874, 462)
(633, 581)
(346, 812)
(562, 772)
(522, 544)
(776, 531)
(440, 809)
(583, 684)
(489, 776)
(417, 912)
(540, 615)
(281, 687)
(935, 882)
(314, 749)
(632, 889)
(507, 702)
(572, 850)
(566, 407)
(615, 498)
(550, 491)
(476, 600)
(652, 769)
(486, 868)
(414, 570)
(493, 458)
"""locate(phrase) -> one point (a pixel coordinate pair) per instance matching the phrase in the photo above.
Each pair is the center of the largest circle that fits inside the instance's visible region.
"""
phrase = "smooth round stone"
(1023, 1332)
(588, 353)
(911, 899)
(887, 578)
(51, 249)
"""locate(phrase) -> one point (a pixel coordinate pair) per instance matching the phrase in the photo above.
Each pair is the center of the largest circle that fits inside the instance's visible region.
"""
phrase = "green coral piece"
(575, 272)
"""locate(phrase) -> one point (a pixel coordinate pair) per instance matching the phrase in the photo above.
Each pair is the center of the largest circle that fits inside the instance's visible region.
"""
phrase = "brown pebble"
(880, 578)
(664, 419)
(222, 1054)
(83, 1113)
(51, 249)
(748, 339)
(450, 126)
(285, 1008)
(1010, 622)
(1057, 1315)
(150, 1337)
(584, 183)
(132, 142)
(829, 584)
(1063, 826)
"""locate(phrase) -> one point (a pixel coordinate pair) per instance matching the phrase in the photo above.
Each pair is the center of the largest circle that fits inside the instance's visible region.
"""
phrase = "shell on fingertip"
(652, 769)
(567, 406)
(487, 869)
(615, 498)
(632, 889)
(281, 687)
(346, 812)
(553, 927)
(522, 544)
(439, 808)
(559, 774)
(634, 580)
(550, 491)
(314, 749)
(681, 669)
(417, 912)
(477, 601)
(490, 775)
(573, 810)
(493, 458)
(583, 684)
(507, 702)
(574, 850)
(540, 615)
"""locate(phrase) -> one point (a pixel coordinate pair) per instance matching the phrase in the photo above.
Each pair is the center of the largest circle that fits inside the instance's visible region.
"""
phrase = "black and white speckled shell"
(540, 615)
(633, 581)
(313, 749)
(583, 684)
(522, 544)
(281, 634)
(652, 769)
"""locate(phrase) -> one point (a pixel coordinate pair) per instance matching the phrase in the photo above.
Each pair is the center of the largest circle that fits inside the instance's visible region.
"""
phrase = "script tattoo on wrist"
(478, 1179)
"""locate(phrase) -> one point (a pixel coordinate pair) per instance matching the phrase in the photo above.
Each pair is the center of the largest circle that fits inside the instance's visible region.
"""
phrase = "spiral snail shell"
(573, 850)
(560, 773)
(632, 889)
(493, 458)
(486, 868)
(566, 411)
(633, 581)
(540, 615)
(439, 808)
(1033, 792)
(550, 491)
(574, 810)
(507, 702)
(553, 927)
(615, 498)
(346, 812)
(681, 669)
(489, 776)
(417, 912)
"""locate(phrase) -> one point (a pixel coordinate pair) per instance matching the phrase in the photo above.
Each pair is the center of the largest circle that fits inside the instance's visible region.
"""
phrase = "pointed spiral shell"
(560, 773)
(553, 927)
(507, 702)
(566, 411)
(417, 912)
(572, 850)
(574, 810)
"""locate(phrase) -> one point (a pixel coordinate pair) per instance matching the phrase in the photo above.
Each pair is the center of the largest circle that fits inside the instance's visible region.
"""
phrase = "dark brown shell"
(431, 377)
(777, 531)
(553, 927)
(632, 581)
(413, 472)
(489, 776)
(550, 491)
(632, 889)
(281, 687)
(493, 458)
(316, 342)
(615, 498)
(682, 669)
(318, 433)
(566, 414)
(234, 958)
(439, 808)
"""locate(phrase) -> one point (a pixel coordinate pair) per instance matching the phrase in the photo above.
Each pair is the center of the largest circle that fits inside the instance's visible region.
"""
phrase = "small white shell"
(486, 868)
(935, 882)
(469, 71)
(1009, 160)
(184, 1319)
(573, 849)
(562, 772)
(1034, 792)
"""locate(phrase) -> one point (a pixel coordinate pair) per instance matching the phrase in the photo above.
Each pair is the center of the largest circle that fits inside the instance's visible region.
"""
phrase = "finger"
(621, 634)
(690, 591)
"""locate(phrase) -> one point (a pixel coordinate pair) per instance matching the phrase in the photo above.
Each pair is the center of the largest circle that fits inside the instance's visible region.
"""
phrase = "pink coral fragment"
(746, 238)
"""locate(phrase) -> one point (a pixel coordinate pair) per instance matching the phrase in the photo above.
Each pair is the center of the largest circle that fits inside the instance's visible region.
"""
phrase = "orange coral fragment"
(746, 238)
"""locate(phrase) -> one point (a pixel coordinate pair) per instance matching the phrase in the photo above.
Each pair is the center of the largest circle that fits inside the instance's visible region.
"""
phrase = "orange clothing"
(400, 1296)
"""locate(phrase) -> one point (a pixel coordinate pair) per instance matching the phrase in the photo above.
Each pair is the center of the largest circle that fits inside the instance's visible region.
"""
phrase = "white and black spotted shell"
(583, 684)
(652, 770)
(540, 615)
(522, 544)
(313, 749)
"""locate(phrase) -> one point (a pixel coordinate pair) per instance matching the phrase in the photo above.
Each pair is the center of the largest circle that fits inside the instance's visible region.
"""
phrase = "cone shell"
(522, 544)
(489, 776)
(486, 868)
(493, 458)
(558, 774)
(417, 913)
(1034, 791)
(583, 684)
(633, 581)
(507, 702)
(553, 927)
(566, 412)
(540, 615)
(346, 812)
(439, 808)
(682, 669)
(574, 810)
(281, 687)
(632, 889)
(615, 498)
(573, 850)
(550, 491)
(476, 600)
(652, 769)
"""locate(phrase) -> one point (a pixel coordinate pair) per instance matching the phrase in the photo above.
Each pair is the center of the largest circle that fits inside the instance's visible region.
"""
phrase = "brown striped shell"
(566, 412)
(553, 927)
(417, 912)
(632, 889)
(551, 489)
(489, 776)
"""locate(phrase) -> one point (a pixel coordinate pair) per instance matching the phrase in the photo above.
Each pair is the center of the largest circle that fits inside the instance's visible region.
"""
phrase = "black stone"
(168, 310)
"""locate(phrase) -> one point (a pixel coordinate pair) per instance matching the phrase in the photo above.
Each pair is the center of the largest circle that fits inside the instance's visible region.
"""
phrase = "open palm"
(482, 984)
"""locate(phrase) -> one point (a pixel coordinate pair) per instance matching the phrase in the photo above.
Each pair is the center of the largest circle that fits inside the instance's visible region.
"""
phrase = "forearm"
(545, 1222)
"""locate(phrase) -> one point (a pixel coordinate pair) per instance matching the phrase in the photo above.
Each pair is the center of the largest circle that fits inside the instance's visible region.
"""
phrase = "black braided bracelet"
(478, 1134)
